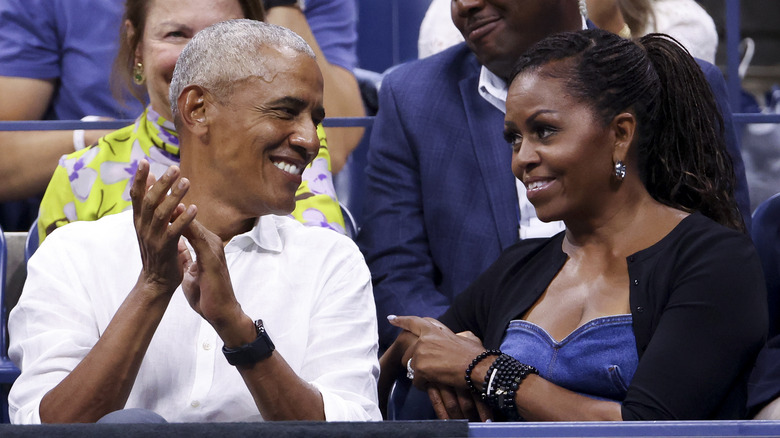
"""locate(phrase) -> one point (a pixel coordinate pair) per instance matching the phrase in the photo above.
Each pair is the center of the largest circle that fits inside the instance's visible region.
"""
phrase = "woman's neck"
(631, 226)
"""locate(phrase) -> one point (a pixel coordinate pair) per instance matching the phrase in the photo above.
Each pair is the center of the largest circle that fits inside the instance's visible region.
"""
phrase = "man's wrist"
(260, 348)
(235, 331)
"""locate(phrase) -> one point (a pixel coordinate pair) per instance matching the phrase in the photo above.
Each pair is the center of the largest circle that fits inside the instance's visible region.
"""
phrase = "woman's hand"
(439, 355)
(160, 219)
(451, 404)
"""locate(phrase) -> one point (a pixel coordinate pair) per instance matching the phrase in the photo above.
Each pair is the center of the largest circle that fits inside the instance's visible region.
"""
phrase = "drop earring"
(620, 170)
(138, 74)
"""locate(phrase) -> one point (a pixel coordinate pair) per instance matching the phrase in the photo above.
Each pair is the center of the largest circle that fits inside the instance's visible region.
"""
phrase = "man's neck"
(217, 216)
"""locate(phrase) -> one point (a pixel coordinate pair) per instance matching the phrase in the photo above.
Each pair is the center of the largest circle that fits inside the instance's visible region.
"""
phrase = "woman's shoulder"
(697, 233)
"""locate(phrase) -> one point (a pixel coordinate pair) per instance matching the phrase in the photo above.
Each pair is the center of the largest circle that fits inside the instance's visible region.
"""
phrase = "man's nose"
(306, 138)
(466, 7)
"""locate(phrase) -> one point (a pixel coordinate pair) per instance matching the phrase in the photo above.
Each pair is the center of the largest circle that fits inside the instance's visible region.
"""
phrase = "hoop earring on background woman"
(620, 170)
(138, 74)
(584, 9)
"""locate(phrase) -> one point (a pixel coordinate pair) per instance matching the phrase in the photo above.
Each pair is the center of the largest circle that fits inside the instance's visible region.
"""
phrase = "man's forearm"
(102, 382)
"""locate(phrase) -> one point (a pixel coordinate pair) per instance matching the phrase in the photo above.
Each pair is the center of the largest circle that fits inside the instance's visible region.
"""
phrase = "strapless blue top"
(598, 359)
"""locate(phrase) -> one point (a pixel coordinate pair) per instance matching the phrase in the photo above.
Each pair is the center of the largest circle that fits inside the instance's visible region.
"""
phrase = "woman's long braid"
(687, 161)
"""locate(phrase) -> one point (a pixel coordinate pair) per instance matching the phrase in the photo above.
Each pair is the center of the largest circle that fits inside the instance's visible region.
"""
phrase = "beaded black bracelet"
(499, 393)
(474, 363)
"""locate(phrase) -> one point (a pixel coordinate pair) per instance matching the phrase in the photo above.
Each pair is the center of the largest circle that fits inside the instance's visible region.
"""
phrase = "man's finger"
(451, 403)
(466, 403)
(138, 189)
(182, 220)
(170, 208)
(437, 403)
(157, 194)
(482, 409)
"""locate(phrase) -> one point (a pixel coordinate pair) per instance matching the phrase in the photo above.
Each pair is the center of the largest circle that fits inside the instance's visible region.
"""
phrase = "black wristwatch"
(247, 354)
(268, 4)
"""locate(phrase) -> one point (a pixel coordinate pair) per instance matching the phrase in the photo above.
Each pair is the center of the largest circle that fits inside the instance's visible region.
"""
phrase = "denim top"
(598, 359)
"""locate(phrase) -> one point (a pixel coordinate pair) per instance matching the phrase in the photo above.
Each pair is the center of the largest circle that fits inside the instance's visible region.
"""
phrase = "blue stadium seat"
(31, 243)
(766, 237)
(8, 371)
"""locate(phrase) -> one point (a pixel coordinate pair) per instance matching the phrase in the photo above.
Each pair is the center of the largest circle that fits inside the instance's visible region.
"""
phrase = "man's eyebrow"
(289, 100)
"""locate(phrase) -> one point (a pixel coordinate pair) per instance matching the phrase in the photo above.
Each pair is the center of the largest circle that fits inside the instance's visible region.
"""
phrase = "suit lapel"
(494, 158)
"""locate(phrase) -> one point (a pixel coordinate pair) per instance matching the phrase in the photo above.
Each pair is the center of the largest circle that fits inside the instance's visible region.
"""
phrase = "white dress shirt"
(310, 286)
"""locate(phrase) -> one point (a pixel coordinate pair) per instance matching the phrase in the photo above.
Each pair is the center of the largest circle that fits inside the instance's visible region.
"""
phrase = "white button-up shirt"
(310, 286)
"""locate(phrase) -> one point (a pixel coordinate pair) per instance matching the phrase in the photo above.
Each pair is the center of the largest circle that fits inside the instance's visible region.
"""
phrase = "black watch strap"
(247, 354)
(268, 4)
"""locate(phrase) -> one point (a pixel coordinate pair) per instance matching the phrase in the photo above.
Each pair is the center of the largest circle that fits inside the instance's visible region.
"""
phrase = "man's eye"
(287, 112)
(176, 34)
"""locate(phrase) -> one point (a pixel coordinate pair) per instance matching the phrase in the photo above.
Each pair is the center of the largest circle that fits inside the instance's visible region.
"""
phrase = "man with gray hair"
(127, 313)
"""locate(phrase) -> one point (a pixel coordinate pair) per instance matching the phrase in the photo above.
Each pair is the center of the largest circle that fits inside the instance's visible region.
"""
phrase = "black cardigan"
(699, 311)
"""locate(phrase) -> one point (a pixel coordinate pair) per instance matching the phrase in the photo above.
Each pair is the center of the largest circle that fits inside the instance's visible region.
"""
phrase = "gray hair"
(225, 53)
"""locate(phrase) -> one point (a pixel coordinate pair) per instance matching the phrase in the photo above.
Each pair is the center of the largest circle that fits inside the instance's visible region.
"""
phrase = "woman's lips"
(537, 186)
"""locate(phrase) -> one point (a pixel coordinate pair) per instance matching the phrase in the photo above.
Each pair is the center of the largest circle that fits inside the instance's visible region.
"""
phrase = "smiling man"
(201, 304)
(441, 200)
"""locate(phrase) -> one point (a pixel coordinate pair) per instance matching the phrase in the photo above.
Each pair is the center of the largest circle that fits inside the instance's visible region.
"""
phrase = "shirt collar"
(264, 234)
(494, 89)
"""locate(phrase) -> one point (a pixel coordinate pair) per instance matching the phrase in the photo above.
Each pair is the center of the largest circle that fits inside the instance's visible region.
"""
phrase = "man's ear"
(624, 129)
(192, 110)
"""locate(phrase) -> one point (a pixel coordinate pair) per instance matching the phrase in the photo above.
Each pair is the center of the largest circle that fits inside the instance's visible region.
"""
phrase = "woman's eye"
(514, 139)
(543, 132)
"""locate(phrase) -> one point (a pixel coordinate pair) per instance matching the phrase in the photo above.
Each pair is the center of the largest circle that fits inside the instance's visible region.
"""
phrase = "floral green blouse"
(95, 181)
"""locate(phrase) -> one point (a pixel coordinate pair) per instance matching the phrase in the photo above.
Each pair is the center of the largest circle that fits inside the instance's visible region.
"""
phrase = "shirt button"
(195, 404)
(636, 282)
(640, 309)
(206, 346)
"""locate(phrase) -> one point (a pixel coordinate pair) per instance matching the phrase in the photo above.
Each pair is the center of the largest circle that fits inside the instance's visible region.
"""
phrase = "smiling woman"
(650, 305)
(95, 182)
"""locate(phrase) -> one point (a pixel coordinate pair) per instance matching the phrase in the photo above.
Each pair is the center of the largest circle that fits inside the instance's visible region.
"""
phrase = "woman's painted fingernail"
(391, 317)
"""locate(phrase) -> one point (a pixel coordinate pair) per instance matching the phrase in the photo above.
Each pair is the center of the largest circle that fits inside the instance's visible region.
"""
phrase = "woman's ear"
(624, 129)
(130, 34)
(192, 110)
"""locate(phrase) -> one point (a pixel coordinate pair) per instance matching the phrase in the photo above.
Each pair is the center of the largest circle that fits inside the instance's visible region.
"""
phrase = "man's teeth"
(287, 167)
(536, 184)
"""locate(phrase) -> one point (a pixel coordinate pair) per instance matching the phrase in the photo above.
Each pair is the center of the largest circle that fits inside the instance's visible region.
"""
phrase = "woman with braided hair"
(650, 305)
